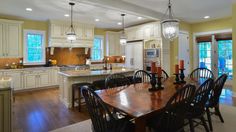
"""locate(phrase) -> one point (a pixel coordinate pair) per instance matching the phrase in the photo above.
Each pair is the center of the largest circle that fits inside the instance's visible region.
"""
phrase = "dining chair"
(201, 73)
(164, 75)
(215, 98)
(197, 107)
(103, 120)
(116, 80)
(172, 118)
(141, 76)
(99, 84)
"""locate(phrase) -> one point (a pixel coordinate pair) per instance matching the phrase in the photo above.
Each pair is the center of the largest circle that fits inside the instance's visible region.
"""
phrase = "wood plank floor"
(41, 111)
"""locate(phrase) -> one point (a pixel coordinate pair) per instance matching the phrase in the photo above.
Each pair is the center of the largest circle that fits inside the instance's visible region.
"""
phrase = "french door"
(216, 55)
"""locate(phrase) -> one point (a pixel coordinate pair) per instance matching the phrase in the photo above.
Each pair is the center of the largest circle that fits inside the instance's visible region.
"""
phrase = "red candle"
(159, 71)
(153, 67)
(181, 64)
(176, 69)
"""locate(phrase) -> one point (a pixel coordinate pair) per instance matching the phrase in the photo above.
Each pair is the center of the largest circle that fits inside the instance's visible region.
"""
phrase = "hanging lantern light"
(71, 36)
(123, 38)
(170, 26)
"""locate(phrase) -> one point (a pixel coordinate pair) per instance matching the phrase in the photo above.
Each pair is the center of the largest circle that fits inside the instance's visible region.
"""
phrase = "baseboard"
(35, 89)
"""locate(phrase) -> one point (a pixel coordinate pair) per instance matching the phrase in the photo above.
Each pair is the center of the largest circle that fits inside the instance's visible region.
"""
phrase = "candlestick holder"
(177, 81)
(156, 83)
(182, 76)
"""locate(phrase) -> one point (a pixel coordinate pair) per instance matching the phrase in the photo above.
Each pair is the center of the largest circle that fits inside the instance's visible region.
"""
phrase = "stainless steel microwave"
(152, 53)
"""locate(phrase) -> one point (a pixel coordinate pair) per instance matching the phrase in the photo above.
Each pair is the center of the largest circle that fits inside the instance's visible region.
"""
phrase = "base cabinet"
(30, 80)
(5, 110)
(17, 79)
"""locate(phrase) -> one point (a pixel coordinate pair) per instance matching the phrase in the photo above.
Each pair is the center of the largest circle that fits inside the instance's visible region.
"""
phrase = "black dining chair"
(164, 75)
(99, 84)
(215, 98)
(141, 76)
(116, 80)
(197, 106)
(103, 120)
(173, 115)
(201, 73)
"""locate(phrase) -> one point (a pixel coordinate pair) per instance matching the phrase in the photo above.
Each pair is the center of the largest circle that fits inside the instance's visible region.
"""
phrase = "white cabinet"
(54, 76)
(17, 79)
(35, 79)
(30, 80)
(57, 34)
(10, 38)
(114, 48)
(144, 32)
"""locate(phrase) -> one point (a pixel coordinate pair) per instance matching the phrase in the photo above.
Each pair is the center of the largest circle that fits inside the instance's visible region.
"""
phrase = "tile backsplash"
(4, 61)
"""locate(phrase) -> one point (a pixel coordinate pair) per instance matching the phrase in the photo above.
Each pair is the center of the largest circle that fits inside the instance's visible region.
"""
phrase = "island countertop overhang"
(84, 73)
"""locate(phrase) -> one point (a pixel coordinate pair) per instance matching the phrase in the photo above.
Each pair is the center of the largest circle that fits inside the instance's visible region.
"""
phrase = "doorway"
(184, 50)
(215, 53)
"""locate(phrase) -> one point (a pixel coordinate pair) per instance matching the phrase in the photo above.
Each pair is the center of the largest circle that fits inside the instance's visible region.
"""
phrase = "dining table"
(141, 104)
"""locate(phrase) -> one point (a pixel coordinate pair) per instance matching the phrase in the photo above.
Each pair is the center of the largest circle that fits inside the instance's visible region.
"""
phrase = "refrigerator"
(134, 55)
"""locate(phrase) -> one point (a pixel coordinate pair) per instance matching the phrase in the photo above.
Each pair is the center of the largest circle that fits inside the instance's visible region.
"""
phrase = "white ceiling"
(55, 9)
(108, 11)
(189, 10)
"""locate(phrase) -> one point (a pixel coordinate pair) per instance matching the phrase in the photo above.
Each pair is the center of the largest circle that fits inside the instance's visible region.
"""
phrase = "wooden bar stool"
(77, 87)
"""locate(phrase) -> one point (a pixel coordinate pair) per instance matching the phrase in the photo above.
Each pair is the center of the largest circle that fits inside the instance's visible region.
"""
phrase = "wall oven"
(152, 53)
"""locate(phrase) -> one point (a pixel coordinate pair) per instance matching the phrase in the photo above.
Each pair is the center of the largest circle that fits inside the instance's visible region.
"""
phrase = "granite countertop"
(83, 73)
(29, 68)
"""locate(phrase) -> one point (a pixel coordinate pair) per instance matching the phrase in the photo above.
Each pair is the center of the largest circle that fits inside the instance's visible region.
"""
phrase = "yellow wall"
(234, 45)
(219, 24)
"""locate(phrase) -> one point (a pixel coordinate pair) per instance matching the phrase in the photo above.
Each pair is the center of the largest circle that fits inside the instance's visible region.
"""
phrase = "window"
(97, 50)
(34, 47)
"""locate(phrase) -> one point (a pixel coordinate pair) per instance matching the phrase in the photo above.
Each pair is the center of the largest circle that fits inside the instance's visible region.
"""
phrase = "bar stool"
(77, 86)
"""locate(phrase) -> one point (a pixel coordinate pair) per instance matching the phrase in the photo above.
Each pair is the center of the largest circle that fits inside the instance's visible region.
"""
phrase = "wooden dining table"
(139, 103)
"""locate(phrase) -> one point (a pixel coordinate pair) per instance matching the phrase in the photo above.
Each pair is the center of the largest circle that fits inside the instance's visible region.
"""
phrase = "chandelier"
(71, 36)
(170, 26)
(123, 38)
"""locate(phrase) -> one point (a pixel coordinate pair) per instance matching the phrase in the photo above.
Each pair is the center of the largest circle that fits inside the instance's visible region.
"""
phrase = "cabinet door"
(30, 80)
(57, 30)
(17, 79)
(1, 41)
(5, 111)
(157, 30)
(88, 32)
(79, 31)
(148, 31)
(44, 79)
(13, 40)
(54, 77)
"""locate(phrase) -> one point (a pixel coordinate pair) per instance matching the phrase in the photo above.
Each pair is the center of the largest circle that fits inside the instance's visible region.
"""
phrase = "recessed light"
(97, 20)
(66, 15)
(119, 23)
(140, 18)
(206, 17)
(29, 9)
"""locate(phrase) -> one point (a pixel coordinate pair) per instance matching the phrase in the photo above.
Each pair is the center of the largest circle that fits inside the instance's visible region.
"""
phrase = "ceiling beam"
(124, 7)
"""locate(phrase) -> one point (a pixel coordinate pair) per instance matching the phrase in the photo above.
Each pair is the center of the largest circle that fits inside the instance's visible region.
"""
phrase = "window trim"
(43, 33)
(102, 48)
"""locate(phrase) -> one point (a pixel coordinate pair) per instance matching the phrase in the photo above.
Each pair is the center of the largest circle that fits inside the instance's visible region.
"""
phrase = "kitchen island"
(67, 78)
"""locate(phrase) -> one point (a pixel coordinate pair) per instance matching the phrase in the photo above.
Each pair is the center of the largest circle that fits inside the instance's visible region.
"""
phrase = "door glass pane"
(225, 58)
(204, 54)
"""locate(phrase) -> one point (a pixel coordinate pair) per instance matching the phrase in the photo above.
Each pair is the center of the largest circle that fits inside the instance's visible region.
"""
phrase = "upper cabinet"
(10, 38)
(58, 30)
(114, 48)
(144, 32)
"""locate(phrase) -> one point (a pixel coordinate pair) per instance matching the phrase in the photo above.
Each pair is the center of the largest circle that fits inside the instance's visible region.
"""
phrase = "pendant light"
(123, 38)
(71, 36)
(170, 26)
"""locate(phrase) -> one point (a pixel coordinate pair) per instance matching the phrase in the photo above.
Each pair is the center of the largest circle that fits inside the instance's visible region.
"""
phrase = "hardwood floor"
(41, 111)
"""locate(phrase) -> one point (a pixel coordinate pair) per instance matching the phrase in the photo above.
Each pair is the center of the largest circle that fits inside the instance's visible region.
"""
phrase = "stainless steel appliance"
(151, 55)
